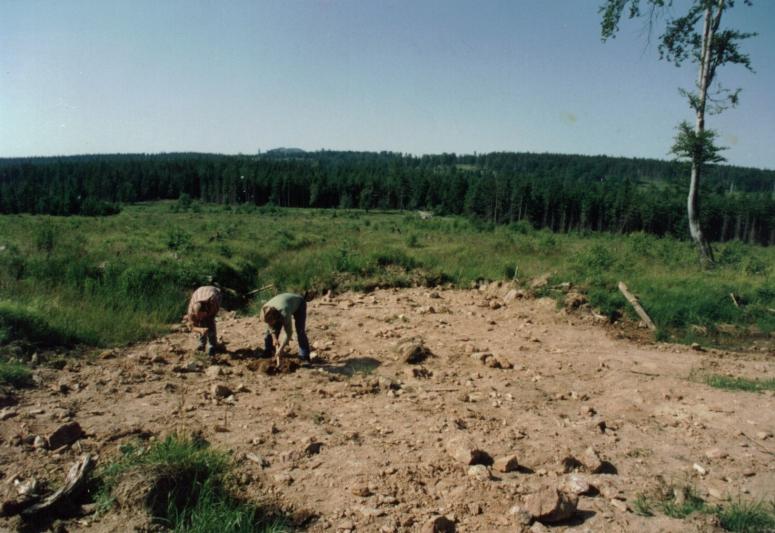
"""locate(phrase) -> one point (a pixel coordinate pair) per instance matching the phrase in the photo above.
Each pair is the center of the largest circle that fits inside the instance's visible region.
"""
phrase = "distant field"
(107, 281)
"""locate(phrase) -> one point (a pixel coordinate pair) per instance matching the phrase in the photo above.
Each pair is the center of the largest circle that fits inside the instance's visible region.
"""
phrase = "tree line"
(563, 193)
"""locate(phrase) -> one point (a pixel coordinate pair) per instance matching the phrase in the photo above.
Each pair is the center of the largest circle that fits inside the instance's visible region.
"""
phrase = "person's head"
(273, 317)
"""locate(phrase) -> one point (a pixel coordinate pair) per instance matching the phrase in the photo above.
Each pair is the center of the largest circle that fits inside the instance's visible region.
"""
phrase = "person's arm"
(287, 329)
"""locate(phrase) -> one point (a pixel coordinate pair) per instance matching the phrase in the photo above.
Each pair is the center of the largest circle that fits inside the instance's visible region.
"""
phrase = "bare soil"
(359, 441)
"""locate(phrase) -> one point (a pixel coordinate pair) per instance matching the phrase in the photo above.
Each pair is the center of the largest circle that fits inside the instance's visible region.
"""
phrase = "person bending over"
(277, 313)
(202, 309)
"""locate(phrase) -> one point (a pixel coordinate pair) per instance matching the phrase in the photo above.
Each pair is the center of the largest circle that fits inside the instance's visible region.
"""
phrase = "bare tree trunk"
(703, 82)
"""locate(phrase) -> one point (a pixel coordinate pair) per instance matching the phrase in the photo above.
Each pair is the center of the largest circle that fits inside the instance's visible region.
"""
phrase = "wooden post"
(636, 305)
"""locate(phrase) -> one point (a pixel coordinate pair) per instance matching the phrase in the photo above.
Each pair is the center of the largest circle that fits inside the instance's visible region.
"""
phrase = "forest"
(563, 193)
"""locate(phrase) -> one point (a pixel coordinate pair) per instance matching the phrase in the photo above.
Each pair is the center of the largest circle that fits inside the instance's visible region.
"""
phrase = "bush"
(15, 374)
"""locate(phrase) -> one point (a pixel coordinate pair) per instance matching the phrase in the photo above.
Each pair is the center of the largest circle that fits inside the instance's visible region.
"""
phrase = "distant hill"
(285, 151)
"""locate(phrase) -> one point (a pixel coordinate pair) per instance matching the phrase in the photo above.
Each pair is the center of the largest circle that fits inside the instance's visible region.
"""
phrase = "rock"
(5, 414)
(715, 453)
(540, 282)
(619, 505)
(158, 359)
(538, 527)
(697, 347)
(213, 371)
(219, 390)
(574, 300)
(39, 443)
(361, 491)
(763, 435)
(258, 459)
(481, 356)
(439, 524)
(418, 372)
(495, 304)
(284, 478)
(550, 505)
(512, 295)
(462, 449)
(480, 472)
(591, 460)
(65, 435)
(507, 463)
(412, 351)
(700, 470)
(313, 448)
(575, 484)
(521, 516)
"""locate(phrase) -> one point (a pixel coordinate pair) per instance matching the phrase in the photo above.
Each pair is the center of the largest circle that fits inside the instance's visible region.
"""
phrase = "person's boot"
(211, 351)
(201, 346)
(304, 357)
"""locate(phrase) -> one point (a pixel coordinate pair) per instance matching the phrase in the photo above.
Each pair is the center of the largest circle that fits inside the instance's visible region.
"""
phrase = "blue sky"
(409, 76)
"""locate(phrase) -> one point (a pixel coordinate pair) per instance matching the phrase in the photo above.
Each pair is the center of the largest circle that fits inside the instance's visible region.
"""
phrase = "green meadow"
(107, 281)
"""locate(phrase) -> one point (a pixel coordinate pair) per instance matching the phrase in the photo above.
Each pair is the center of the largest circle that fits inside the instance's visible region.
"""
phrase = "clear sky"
(413, 76)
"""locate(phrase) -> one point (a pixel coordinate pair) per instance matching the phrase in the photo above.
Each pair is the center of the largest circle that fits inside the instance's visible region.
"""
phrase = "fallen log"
(636, 305)
(74, 482)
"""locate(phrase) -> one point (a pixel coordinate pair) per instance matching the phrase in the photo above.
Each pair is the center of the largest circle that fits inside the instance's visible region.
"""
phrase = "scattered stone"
(715, 453)
(550, 505)
(418, 372)
(439, 524)
(700, 470)
(591, 460)
(512, 295)
(763, 435)
(412, 351)
(213, 371)
(220, 391)
(574, 300)
(258, 459)
(158, 359)
(361, 491)
(480, 472)
(540, 282)
(463, 450)
(575, 484)
(697, 347)
(313, 448)
(619, 505)
(538, 527)
(507, 463)
(39, 443)
(715, 493)
(65, 435)
(495, 304)
(284, 478)
(587, 410)
(7, 413)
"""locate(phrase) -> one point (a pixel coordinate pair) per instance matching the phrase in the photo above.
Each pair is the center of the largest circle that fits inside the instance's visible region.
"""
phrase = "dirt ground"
(361, 440)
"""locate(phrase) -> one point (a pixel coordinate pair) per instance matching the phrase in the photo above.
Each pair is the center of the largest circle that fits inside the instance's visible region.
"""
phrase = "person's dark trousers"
(268, 345)
(300, 321)
(210, 335)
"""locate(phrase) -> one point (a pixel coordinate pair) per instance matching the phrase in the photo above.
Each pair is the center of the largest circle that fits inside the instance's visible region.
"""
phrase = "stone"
(213, 371)
(510, 296)
(39, 443)
(258, 459)
(575, 484)
(313, 448)
(591, 460)
(480, 472)
(65, 435)
(699, 469)
(462, 449)
(362, 491)
(550, 505)
(507, 463)
(763, 435)
(283, 478)
(439, 524)
(538, 527)
(412, 351)
(219, 390)
(495, 304)
(619, 505)
(7, 413)
(715, 453)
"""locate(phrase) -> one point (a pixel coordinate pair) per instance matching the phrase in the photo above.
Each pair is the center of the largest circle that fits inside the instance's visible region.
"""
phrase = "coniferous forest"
(564, 193)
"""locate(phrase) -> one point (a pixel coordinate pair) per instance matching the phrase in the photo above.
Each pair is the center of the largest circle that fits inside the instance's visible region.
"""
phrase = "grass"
(107, 281)
(744, 384)
(188, 488)
(15, 374)
(736, 516)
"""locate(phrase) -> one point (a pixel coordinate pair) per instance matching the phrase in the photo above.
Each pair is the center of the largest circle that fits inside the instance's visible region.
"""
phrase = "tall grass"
(113, 280)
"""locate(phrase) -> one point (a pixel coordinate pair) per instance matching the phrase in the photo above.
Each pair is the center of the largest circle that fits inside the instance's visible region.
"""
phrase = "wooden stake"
(636, 305)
